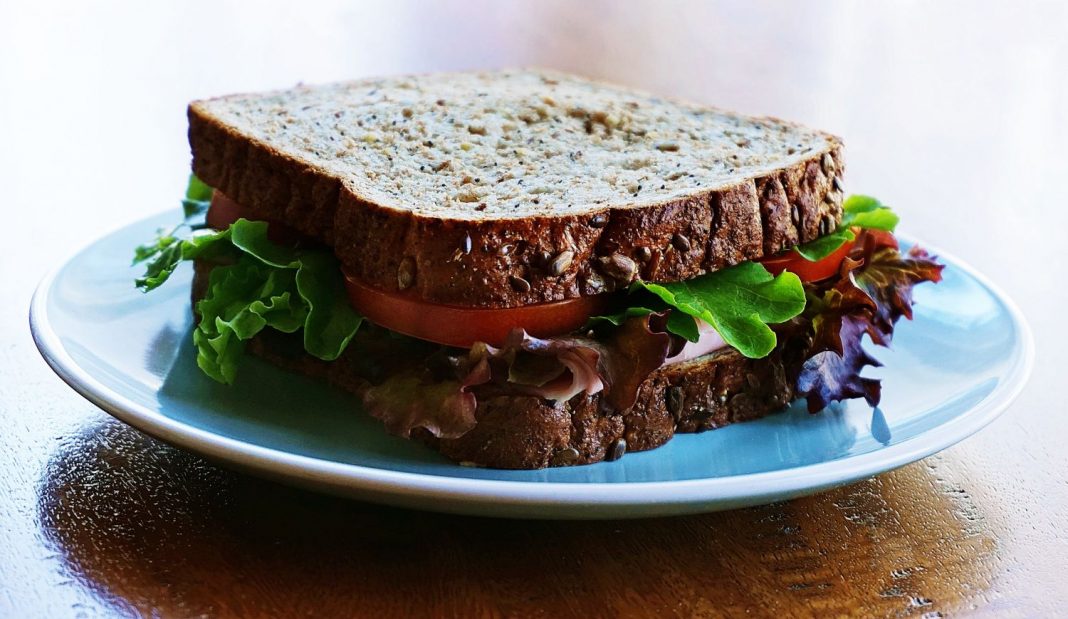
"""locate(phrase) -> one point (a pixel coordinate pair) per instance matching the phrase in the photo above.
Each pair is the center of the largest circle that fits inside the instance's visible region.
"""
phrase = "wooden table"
(955, 114)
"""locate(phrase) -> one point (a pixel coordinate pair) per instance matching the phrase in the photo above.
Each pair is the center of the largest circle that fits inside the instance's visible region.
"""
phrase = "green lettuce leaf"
(824, 246)
(242, 299)
(197, 198)
(739, 303)
(168, 250)
(331, 321)
(162, 255)
(868, 212)
(684, 325)
(677, 322)
(269, 286)
(858, 212)
(258, 284)
(616, 319)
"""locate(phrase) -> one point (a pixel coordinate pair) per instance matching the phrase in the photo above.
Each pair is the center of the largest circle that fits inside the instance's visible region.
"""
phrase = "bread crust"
(512, 262)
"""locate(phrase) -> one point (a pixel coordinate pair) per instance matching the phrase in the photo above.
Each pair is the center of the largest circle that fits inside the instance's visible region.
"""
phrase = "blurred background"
(955, 113)
(93, 94)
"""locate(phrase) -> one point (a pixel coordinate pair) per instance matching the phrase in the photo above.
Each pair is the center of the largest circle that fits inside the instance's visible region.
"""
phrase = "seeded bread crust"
(453, 255)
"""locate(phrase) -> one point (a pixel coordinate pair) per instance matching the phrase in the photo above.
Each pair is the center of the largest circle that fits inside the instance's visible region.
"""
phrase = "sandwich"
(525, 269)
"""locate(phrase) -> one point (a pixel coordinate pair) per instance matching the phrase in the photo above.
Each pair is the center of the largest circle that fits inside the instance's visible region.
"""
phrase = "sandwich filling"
(265, 278)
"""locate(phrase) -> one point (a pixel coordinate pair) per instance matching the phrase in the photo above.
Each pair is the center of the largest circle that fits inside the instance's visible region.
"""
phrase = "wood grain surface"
(955, 113)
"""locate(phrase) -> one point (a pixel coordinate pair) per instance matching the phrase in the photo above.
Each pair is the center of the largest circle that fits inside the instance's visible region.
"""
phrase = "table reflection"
(145, 526)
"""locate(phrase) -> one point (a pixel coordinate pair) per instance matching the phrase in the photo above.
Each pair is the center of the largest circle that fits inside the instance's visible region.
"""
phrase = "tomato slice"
(224, 211)
(463, 326)
(807, 270)
(445, 324)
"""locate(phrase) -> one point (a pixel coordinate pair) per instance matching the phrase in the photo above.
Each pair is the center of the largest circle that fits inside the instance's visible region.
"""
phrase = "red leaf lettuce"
(873, 291)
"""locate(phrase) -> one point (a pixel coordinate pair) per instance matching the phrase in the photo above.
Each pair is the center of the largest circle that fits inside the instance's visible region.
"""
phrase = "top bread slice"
(507, 188)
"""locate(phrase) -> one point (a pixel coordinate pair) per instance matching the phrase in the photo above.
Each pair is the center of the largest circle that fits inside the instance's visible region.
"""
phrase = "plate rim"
(400, 485)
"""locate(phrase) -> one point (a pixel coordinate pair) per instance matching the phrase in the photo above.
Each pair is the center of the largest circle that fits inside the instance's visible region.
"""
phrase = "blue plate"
(953, 369)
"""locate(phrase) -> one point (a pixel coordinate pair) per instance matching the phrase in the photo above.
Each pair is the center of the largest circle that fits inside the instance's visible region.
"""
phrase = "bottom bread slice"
(528, 432)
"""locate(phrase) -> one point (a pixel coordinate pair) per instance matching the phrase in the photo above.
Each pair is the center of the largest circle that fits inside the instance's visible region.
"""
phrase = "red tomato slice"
(805, 269)
(444, 324)
(463, 326)
(224, 211)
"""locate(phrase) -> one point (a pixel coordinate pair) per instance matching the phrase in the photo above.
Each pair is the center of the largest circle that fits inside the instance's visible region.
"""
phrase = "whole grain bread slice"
(506, 188)
(529, 432)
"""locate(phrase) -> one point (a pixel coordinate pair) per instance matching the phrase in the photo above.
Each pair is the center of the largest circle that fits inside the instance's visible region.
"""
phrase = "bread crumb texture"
(513, 144)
